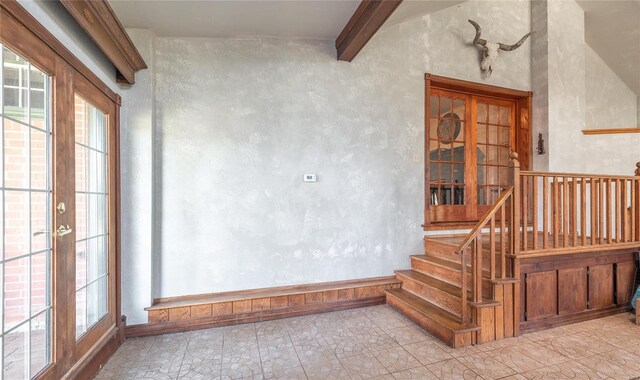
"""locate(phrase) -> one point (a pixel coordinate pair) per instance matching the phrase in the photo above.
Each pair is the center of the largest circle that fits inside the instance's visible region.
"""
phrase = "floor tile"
(377, 343)
(396, 359)
(415, 373)
(364, 366)
(486, 365)
(452, 369)
(427, 352)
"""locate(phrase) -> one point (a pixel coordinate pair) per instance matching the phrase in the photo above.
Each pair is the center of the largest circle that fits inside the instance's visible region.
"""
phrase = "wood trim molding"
(610, 131)
(212, 310)
(99, 21)
(482, 89)
(14, 10)
(91, 363)
(363, 25)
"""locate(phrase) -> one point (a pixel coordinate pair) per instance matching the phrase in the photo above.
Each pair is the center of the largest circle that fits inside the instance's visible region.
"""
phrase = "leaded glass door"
(469, 139)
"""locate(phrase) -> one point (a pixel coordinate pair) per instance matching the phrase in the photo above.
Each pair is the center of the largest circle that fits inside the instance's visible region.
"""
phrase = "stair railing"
(562, 212)
(498, 224)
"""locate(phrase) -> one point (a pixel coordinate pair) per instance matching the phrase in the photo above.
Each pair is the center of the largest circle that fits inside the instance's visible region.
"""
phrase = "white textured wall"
(136, 139)
(572, 90)
(566, 85)
(240, 121)
(610, 102)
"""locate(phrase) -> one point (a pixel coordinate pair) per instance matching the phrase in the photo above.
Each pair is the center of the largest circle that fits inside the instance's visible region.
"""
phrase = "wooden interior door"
(469, 141)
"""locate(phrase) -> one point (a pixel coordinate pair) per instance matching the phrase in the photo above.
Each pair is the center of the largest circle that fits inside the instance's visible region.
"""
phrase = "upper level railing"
(568, 212)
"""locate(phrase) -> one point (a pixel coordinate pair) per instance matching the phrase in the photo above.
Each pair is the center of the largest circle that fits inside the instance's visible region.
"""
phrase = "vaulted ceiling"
(612, 29)
(612, 26)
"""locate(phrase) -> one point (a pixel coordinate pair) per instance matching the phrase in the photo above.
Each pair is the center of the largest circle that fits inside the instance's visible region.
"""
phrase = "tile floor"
(377, 342)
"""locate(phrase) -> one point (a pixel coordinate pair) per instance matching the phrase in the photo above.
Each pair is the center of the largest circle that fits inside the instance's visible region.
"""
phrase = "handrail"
(485, 219)
(577, 175)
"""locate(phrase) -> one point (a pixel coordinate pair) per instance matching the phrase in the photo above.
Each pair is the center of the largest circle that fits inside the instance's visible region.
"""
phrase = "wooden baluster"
(534, 211)
(492, 247)
(545, 212)
(609, 213)
(635, 209)
(573, 213)
(623, 210)
(632, 211)
(565, 211)
(601, 217)
(525, 212)
(464, 286)
(594, 210)
(503, 241)
(478, 268)
(555, 195)
(514, 223)
(583, 210)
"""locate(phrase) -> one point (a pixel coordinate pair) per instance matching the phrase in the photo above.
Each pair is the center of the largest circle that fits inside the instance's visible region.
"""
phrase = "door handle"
(62, 230)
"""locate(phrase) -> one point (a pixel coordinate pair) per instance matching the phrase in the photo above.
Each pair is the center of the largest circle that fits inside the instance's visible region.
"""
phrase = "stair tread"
(431, 281)
(451, 321)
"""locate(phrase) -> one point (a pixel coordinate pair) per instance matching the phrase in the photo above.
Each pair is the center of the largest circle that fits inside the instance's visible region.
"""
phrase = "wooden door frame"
(523, 141)
(23, 34)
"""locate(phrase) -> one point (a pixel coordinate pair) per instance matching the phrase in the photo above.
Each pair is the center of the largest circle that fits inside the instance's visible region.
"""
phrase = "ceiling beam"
(97, 18)
(365, 22)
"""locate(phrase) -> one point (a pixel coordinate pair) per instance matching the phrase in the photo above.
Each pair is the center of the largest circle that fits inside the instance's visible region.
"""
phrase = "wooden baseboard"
(91, 363)
(187, 313)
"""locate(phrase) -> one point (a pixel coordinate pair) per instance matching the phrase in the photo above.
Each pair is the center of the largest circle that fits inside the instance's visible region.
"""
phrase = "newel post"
(514, 180)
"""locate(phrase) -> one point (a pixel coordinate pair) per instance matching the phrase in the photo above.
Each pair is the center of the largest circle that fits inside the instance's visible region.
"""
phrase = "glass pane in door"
(91, 215)
(494, 145)
(25, 199)
(446, 150)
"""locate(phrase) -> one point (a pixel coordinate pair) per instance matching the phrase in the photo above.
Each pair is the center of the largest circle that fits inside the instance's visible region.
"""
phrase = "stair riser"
(436, 296)
(443, 254)
(447, 275)
(434, 327)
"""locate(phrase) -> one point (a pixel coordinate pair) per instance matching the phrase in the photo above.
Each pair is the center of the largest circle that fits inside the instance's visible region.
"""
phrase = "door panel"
(601, 286)
(91, 215)
(572, 290)
(95, 210)
(541, 295)
(25, 201)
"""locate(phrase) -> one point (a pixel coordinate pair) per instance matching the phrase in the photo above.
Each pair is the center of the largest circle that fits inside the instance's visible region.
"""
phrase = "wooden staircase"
(461, 290)
(431, 294)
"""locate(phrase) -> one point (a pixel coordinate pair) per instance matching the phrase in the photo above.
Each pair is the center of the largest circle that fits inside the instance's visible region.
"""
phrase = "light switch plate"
(310, 178)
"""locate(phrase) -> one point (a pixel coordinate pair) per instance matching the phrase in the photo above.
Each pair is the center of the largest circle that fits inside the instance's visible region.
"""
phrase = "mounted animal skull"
(490, 50)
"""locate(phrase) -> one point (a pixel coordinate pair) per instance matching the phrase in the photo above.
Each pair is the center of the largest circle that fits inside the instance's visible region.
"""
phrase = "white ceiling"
(308, 19)
(410, 9)
(612, 29)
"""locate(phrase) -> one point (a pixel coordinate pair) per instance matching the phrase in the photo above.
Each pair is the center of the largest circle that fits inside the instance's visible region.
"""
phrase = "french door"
(58, 207)
(469, 138)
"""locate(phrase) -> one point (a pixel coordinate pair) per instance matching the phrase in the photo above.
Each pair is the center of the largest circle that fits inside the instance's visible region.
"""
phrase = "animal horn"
(514, 46)
(477, 39)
